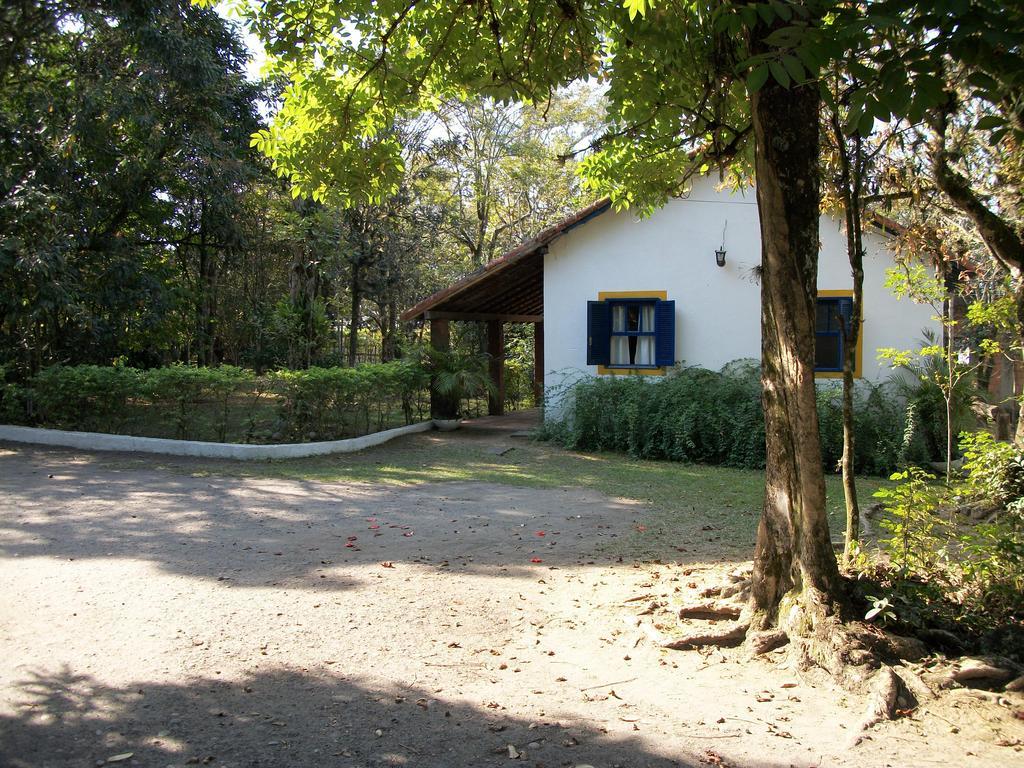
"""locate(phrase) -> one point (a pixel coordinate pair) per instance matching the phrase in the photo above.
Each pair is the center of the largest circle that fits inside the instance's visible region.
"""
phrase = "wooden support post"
(441, 406)
(496, 350)
(538, 364)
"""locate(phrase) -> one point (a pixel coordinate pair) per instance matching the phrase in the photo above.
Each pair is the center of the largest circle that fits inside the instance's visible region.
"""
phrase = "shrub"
(13, 399)
(326, 403)
(916, 532)
(993, 472)
(882, 441)
(189, 402)
(83, 397)
(925, 395)
(183, 388)
(698, 415)
(945, 570)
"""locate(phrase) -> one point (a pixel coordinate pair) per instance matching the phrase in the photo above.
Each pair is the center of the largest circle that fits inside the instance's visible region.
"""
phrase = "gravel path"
(240, 622)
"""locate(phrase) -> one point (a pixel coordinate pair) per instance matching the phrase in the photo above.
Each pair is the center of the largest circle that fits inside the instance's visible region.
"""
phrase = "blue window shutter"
(665, 333)
(846, 312)
(599, 333)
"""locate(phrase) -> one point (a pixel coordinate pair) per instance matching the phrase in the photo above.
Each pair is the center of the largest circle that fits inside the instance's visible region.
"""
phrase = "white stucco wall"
(717, 308)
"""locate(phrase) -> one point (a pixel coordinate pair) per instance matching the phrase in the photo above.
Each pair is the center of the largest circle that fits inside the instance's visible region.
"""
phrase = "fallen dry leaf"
(120, 758)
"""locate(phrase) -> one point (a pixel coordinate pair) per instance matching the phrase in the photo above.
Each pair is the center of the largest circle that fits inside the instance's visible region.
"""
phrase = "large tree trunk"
(796, 584)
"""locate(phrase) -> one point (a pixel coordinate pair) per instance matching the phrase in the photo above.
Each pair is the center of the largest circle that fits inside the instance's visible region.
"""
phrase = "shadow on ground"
(268, 531)
(288, 718)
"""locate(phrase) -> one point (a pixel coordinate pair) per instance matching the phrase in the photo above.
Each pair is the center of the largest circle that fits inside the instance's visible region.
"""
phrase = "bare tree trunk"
(851, 183)
(389, 332)
(355, 288)
(206, 281)
(1018, 389)
(796, 583)
(949, 389)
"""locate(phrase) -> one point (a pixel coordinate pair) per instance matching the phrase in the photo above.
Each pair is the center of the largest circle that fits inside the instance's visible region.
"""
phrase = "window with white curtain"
(632, 336)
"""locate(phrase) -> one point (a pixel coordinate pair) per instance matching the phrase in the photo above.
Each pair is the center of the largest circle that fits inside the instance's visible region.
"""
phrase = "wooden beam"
(496, 350)
(538, 363)
(433, 315)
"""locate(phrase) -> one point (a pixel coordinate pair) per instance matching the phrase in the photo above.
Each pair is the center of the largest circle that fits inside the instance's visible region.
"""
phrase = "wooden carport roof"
(509, 288)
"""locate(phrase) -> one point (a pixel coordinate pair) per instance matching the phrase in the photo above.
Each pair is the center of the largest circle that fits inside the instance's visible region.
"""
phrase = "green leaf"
(783, 10)
(757, 78)
(865, 124)
(983, 81)
(794, 68)
(786, 37)
(988, 122)
(635, 8)
(779, 73)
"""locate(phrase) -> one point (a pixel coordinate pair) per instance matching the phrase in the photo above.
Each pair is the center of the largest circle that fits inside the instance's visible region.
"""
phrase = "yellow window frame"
(859, 357)
(604, 296)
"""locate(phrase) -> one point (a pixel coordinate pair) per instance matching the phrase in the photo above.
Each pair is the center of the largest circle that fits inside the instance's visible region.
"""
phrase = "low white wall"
(98, 441)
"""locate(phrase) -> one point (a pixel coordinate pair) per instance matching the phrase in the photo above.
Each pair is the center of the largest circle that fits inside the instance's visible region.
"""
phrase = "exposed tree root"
(726, 637)
(860, 657)
(760, 643)
(884, 695)
(710, 610)
(985, 671)
(739, 590)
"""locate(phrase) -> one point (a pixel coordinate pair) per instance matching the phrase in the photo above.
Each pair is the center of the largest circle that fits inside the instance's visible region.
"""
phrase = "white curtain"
(644, 344)
(620, 344)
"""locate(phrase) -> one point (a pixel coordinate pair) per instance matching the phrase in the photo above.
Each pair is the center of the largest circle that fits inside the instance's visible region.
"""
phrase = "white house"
(611, 294)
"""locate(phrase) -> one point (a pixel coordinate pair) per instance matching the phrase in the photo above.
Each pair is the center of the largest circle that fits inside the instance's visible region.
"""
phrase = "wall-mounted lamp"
(720, 252)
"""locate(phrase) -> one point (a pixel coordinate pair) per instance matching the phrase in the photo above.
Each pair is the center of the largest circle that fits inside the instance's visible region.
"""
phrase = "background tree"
(114, 121)
(968, 60)
(497, 176)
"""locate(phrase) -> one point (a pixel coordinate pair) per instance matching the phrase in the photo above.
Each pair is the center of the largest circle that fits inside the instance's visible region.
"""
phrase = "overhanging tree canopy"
(691, 84)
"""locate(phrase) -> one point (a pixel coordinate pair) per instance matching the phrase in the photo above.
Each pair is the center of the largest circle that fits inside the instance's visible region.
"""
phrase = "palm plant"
(456, 375)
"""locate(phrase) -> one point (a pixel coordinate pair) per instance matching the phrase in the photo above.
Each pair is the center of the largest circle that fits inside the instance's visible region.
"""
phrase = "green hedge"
(319, 402)
(702, 416)
(224, 403)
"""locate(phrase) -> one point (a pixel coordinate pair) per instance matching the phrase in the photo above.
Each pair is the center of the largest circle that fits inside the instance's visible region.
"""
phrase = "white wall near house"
(717, 308)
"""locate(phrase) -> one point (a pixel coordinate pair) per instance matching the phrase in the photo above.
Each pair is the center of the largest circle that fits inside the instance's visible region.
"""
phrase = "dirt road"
(252, 622)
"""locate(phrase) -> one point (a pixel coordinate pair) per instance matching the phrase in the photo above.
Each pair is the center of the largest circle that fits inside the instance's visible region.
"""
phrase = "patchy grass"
(701, 511)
